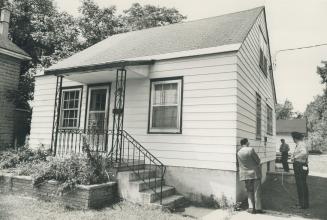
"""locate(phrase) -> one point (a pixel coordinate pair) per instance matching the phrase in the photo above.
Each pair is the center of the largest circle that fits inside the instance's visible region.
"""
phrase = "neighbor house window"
(70, 108)
(269, 120)
(258, 113)
(165, 106)
(263, 62)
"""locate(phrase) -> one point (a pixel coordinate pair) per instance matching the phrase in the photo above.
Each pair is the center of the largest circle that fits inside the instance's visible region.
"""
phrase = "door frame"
(89, 88)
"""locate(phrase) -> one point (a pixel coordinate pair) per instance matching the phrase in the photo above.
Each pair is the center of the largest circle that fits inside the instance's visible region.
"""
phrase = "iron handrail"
(156, 162)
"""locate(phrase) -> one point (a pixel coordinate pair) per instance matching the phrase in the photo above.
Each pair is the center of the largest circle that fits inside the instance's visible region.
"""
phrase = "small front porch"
(92, 113)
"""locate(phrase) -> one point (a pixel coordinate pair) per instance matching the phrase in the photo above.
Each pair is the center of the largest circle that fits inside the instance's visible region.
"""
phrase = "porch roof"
(208, 33)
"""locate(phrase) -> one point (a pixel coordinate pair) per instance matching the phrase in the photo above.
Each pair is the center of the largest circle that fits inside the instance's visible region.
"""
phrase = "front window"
(70, 108)
(165, 109)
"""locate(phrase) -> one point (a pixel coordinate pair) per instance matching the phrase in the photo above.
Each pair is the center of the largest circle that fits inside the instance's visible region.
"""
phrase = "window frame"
(270, 129)
(91, 87)
(258, 117)
(263, 60)
(66, 89)
(180, 86)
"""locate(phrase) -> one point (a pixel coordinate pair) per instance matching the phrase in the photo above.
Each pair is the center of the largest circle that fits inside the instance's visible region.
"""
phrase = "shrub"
(12, 158)
(90, 168)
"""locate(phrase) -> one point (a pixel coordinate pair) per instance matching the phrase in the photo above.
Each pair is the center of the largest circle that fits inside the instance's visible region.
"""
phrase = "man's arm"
(255, 156)
(287, 148)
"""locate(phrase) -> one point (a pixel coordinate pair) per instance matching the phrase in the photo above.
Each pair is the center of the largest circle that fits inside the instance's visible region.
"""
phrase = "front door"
(97, 117)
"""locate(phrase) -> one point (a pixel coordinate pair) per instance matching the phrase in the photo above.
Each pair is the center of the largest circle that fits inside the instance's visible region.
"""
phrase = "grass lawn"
(14, 207)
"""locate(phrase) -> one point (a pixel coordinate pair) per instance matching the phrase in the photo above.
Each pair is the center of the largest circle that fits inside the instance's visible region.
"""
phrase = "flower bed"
(82, 197)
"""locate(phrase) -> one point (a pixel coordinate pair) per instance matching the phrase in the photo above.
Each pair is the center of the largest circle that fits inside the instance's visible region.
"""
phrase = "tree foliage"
(139, 17)
(316, 113)
(284, 111)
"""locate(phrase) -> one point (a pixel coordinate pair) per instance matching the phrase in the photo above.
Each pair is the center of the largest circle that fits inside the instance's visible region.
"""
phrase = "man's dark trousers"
(284, 161)
(301, 183)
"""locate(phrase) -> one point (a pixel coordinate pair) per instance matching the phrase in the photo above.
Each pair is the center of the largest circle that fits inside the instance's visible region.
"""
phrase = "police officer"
(301, 170)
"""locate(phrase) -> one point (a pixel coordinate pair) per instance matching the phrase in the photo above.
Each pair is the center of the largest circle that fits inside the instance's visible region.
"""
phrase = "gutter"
(14, 54)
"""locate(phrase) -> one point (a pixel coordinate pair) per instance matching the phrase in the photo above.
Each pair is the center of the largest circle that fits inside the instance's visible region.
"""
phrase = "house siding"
(208, 118)
(43, 106)
(9, 77)
(251, 80)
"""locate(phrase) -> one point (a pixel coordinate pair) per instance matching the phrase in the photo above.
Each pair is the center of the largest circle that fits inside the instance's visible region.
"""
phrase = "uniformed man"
(250, 173)
(284, 149)
(301, 170)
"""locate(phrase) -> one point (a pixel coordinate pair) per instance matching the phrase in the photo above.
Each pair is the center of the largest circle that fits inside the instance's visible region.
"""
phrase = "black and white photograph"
(163, 109)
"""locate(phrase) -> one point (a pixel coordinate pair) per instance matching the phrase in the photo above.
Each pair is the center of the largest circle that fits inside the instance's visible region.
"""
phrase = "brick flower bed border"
(83, 197)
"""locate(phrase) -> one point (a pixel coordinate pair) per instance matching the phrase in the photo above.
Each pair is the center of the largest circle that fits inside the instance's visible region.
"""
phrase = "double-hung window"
(258, 116)
(70, 108)
(165, 106)
(269, 120)
(263, 62)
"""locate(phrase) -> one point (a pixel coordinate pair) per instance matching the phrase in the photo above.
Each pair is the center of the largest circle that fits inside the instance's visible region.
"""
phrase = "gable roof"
(193, 35)
(288, 126)
(8, 45)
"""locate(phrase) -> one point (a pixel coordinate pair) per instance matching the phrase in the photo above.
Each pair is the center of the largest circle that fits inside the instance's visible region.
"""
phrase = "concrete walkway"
(243, 215)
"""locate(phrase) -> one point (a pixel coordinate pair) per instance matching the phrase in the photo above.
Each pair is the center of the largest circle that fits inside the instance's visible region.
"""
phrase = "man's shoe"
(251, 211)
(260, 211)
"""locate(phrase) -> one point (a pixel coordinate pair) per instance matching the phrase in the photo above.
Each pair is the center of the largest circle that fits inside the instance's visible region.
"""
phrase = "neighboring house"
(284, 128)
(187, 92)
(11, 57)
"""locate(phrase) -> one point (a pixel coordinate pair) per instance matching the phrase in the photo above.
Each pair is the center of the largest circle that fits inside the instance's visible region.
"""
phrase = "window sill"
(165, 132)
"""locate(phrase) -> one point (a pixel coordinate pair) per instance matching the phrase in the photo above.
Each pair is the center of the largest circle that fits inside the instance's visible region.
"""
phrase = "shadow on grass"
(279, 194)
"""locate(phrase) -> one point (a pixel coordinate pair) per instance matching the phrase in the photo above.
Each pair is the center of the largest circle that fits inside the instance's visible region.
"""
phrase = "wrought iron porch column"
(118, 115)
(56, 115)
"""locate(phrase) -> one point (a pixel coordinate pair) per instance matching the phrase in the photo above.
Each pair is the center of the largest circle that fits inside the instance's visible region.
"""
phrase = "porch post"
(118, 115)
(56, 115)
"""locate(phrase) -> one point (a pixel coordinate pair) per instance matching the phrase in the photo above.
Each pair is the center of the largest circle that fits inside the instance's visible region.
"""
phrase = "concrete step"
(171, 202)
(150, 196)
(139, 174)
(144, 185)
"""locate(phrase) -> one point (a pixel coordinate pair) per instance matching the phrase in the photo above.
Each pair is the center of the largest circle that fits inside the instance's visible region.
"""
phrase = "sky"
(291, 24)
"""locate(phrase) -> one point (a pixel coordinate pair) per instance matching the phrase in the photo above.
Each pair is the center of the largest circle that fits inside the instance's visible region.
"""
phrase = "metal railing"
(132, 154)
(70, 141)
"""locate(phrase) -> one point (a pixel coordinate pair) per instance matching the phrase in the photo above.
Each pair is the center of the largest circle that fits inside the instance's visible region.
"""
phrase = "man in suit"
(250, 173)
(301, 169)
(284, 149)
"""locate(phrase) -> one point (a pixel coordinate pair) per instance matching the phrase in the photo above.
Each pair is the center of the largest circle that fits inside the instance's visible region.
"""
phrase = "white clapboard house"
(179, 97)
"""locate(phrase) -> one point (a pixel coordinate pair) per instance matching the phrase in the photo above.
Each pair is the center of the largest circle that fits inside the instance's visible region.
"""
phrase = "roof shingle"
(204, 33)
(288, 126)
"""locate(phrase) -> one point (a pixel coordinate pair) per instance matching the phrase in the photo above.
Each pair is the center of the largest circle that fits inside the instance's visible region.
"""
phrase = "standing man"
(301, 170)
(284, 149)
(250, 172)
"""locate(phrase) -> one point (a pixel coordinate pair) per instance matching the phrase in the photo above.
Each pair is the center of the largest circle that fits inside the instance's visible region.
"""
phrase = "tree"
(284, 111)
(97, 24)
(139, 17)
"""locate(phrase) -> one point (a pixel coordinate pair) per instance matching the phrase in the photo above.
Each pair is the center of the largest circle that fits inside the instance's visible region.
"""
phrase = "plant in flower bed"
(87, 169)
(14, 158)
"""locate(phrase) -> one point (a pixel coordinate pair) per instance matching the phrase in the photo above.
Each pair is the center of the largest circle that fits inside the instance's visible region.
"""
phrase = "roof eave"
(14, 54)
(101, 66)
(147, 60)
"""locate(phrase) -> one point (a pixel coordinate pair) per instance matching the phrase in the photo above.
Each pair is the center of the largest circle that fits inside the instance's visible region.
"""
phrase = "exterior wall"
(209, 112)
(252, 80)
(9, 77)
(199, 184)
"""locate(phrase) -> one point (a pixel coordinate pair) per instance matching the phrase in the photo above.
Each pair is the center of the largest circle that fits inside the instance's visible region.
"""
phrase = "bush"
(12, 158)
(87, 169)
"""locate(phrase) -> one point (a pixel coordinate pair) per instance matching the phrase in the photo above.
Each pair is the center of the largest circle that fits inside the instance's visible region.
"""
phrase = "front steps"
(133, 189)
